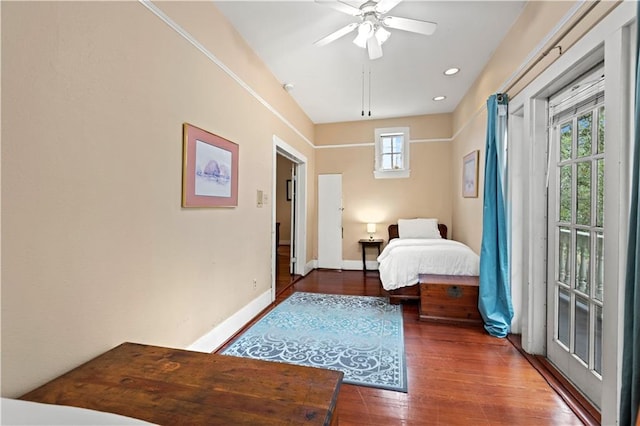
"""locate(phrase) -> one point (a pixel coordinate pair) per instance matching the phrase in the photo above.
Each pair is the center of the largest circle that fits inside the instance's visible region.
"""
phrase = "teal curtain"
(630, 392)
(494, 301)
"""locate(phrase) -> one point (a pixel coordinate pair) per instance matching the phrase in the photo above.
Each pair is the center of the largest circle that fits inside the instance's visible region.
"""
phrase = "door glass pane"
(583, 190)
(601, 130)
(564, 258)
(565, 194)
(564, 316)
(584, 134)
(600, 193)
(566, 139)
(583, 264)
(581, 334)
(597, 362)
(599, 266)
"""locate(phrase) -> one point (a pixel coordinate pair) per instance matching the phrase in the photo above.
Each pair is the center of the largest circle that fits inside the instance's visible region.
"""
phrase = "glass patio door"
(576, 234)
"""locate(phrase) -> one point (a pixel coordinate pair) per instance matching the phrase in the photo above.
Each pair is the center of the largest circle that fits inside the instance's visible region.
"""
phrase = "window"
(392, 153)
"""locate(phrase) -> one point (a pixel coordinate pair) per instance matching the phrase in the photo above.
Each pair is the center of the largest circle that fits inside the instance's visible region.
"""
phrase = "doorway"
(575, 284)
(289, 216)
(285, 223)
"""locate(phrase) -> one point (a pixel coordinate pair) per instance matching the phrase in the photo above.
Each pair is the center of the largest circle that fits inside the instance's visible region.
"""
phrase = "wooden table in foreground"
(171, 386)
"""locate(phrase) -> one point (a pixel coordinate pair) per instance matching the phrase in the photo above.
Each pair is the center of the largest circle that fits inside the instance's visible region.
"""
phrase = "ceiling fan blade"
(374, 48)
(342, 7)
(412, 25)
(336, 34)
(384, 6)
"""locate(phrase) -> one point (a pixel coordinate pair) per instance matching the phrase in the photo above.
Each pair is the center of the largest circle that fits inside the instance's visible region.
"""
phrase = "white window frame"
(404, 172)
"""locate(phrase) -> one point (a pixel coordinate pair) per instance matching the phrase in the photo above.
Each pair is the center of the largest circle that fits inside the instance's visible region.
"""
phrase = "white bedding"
(403, 259)
(17, 412)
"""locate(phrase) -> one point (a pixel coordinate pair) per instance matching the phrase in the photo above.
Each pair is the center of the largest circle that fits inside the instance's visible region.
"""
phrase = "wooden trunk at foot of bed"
(449, 298)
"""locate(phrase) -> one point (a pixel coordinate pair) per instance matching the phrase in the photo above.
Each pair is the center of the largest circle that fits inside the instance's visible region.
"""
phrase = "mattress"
(404, 259)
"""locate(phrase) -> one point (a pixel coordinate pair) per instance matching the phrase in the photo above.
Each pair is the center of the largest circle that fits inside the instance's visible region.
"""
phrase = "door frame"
(609, 40)
(300, 209)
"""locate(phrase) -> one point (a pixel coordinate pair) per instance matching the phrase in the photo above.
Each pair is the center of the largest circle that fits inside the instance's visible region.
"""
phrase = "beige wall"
(427, 193)
(96, 248)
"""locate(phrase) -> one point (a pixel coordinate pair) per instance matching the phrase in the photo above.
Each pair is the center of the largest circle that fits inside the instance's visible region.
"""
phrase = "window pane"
(386, 145)
(581, 334)
(601, 121)
(600, 193)
(563, 316)
(599, 290)
(597, 362)
(566, 136)
(386, 161)
(564, 257)
(584, 134)
(583, 256)
(397, 143)
(583, 206)
(565, 194)
(397, 161)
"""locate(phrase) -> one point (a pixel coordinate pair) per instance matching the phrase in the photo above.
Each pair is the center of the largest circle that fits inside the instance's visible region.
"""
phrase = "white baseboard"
(356, 265)
(347, 265)
(222, 332)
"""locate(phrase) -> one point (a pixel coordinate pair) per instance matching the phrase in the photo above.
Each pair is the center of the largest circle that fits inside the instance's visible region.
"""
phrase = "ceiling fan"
(372, 32)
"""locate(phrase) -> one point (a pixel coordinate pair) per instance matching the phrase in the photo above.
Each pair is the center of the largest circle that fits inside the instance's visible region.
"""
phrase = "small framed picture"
(470, 174)
(209, 169)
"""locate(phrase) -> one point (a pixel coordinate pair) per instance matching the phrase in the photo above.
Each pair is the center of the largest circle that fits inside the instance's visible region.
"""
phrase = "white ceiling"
(328, 80)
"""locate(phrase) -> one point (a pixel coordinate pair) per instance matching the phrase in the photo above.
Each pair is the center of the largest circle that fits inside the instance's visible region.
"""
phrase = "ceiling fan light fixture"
(365, 31)
(382, 35)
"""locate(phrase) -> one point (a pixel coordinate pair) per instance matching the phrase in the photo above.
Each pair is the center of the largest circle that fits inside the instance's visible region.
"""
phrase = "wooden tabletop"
(172, 386)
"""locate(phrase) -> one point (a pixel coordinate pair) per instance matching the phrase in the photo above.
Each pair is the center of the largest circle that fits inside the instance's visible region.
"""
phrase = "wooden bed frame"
(411, 292)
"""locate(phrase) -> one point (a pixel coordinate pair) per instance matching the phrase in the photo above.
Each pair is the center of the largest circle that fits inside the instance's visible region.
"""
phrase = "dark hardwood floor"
(457, 375)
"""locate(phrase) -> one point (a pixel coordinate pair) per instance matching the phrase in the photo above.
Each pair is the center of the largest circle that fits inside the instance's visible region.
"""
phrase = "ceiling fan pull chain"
(369, 92)
(363, 90)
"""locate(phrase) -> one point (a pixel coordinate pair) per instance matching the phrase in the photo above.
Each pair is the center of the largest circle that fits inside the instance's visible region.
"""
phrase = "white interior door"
(330, 221)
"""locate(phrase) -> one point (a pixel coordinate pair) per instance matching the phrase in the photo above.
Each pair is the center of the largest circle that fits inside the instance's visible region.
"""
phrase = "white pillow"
(418, 228)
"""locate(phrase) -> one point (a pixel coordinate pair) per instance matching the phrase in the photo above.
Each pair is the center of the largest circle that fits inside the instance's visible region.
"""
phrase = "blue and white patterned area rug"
(361, 336)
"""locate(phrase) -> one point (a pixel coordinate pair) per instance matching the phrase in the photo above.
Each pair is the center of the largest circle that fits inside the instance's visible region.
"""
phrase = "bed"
(423, 248)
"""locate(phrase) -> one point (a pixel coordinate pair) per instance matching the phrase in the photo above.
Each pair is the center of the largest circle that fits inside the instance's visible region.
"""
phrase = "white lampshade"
(382, 35)
(371, 228)
(365, 30)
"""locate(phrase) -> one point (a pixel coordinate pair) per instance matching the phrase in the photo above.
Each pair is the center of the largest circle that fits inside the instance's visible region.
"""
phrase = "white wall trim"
(191, 39)
(368, 144)
(223, 331)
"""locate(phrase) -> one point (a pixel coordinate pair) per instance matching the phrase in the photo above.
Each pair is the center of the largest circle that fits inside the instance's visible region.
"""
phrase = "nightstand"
(364, 243)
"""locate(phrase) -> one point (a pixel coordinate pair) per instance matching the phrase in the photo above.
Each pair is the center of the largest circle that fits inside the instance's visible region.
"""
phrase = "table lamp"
(371, 229)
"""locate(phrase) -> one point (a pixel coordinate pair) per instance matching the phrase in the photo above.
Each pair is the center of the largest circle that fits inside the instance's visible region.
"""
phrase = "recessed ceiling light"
(439, 98)
(452, 71)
